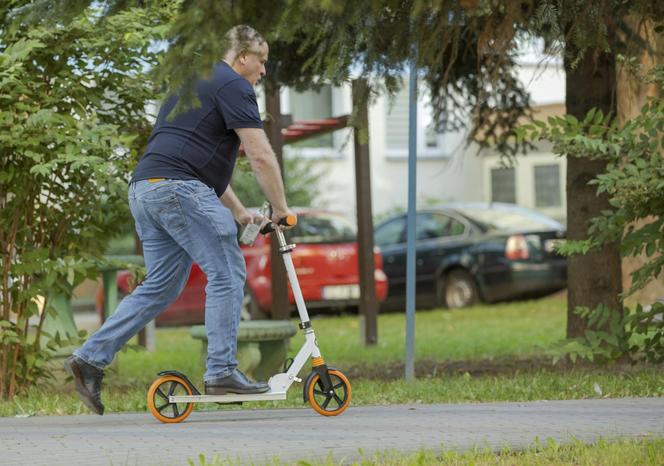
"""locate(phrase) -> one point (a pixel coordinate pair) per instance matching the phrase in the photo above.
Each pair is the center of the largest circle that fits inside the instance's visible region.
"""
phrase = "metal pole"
(410, 243)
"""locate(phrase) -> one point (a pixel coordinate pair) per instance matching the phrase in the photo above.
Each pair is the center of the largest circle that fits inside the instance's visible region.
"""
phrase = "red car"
(325, 260)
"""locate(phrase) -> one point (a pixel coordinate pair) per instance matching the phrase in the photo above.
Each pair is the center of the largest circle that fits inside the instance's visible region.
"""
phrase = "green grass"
(501, 333)
(515, 329)
(605, 453)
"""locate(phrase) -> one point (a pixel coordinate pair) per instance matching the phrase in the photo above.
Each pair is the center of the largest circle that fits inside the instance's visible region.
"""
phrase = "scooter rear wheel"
(159, 405)
(333, 403)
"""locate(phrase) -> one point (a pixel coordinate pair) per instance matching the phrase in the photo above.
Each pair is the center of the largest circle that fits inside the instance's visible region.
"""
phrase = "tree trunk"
(279, 283)
(632, 93)
(365, 245)
(594, 278)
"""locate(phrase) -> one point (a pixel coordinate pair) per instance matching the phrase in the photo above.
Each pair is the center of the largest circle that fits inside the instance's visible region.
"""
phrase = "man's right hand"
(281, 214)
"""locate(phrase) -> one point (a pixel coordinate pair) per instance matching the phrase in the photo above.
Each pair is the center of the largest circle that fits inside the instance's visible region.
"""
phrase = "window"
(312, 105)
(503, 188)
(547, 186)
(321, 228)
(396, 127)
(391, 232)
(429, 141)
(508, 218)
(432, 225)
(456, 228)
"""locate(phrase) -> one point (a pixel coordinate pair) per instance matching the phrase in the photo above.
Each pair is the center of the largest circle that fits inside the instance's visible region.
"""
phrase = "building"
(447, 169)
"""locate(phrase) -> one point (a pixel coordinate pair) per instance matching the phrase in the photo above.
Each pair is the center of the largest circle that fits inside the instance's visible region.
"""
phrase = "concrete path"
(259, 436)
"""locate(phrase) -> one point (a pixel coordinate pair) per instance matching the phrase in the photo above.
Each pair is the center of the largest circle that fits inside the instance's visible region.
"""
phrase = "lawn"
(488, 353)
(646, 452)
(514, 329)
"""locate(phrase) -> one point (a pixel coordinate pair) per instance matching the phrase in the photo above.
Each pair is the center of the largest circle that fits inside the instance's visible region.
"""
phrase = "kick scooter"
(171, 397)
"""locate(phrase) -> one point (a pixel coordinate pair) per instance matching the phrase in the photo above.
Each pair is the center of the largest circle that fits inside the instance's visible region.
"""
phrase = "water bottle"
(251, 230)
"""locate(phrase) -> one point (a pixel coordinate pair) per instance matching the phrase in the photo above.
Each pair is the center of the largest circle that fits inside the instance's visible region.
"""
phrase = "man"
(174, 196)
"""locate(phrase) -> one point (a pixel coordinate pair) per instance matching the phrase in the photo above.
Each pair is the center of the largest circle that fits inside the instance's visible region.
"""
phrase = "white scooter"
(171, 397)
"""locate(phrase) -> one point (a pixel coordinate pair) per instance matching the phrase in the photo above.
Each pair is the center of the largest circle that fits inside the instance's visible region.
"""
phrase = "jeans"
(179, 221)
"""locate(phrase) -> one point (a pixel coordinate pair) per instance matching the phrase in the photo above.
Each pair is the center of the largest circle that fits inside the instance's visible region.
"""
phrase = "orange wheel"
(336, 401)
(160, 407)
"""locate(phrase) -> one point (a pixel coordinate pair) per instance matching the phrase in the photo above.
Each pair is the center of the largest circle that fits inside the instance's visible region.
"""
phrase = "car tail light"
(516, 248)
(378, 258)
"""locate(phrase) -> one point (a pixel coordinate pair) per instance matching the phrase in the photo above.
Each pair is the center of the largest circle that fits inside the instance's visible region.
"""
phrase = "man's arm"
(266, 168)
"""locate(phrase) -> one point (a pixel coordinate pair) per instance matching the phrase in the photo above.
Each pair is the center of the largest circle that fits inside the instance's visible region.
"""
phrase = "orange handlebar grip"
(290, 221)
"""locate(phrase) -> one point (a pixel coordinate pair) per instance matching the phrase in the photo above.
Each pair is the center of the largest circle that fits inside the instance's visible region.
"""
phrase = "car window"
(433, 225)
(391, 232)
(509, 218)
(321, 228)
(456, 227)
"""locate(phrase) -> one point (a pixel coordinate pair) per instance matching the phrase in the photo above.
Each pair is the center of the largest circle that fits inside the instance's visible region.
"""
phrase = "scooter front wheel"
(330, 403)
(159, 404)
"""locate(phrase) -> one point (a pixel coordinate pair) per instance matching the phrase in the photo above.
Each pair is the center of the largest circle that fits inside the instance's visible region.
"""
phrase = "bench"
(262, 346)
(62, 320)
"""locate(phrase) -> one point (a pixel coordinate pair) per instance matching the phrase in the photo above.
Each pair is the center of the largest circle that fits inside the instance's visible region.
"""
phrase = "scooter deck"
(230, 398)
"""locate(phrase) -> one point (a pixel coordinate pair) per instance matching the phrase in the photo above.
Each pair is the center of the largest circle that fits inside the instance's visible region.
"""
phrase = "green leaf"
(599, 117)
(19, 50)
(590, 116)
(572, 120)
(650, 249)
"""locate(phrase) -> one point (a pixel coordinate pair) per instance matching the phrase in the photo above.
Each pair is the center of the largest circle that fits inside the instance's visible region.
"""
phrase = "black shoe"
(237, 382)
(88, 382)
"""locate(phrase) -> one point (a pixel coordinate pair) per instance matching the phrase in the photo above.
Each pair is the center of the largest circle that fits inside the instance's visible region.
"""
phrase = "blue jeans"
(179, 221)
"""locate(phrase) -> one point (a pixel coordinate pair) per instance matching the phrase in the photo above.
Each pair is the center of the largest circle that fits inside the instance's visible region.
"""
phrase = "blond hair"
(241, 39)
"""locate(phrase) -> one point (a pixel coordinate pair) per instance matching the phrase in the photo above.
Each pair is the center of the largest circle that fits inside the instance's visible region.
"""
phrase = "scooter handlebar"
(288, 221)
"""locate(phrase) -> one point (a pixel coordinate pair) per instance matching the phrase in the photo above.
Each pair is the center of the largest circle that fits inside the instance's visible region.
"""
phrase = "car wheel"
(459, 290)
(250, 308)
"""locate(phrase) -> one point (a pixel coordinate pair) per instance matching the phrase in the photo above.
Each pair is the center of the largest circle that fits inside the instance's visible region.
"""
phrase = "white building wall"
(525, 176)
(456, 173)
(440, 178)
(452, 176)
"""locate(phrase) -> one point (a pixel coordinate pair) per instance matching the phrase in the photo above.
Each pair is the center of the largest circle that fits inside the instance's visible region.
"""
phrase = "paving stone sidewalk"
(259, 436)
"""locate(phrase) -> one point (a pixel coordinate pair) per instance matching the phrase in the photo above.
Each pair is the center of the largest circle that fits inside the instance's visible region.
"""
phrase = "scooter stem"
(285, 251)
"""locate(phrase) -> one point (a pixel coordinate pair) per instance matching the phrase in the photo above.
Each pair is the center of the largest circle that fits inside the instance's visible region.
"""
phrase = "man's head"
(246, 53)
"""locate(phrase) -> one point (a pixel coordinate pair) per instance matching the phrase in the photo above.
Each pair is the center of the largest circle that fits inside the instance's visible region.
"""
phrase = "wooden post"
(280, 306)
(147, 335)
(365, 244)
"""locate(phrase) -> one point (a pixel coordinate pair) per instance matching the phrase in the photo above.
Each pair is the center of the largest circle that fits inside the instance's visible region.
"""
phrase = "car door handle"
(420, 261)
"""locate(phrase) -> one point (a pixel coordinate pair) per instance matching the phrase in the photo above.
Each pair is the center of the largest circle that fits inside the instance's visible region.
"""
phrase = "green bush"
(73, 120)
(634, 181)
(301, 181)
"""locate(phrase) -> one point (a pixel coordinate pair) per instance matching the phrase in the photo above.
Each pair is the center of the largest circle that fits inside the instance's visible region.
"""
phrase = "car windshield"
(321, 228)
(508, 218)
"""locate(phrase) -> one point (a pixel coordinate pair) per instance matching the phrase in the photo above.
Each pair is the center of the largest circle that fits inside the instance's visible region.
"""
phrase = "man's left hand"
(243, 217)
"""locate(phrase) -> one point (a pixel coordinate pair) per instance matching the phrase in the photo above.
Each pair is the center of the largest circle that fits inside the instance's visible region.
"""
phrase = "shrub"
(73, 99)
(634, 181)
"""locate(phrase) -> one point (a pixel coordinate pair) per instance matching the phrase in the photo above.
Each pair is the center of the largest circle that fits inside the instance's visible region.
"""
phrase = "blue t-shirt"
(199, 143)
